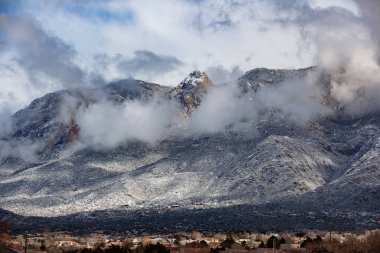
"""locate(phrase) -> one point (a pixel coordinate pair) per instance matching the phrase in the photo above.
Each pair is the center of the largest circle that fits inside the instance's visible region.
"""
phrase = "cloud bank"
(134, 120)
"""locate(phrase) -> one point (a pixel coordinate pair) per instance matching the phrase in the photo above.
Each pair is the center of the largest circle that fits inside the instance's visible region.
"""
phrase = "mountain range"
(319, 173)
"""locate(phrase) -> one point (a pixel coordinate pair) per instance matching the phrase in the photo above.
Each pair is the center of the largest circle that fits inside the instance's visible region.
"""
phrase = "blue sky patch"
(9, 7)
(91, 11)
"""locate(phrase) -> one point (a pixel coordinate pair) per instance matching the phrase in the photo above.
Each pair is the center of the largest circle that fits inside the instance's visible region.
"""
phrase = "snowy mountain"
(331, 162)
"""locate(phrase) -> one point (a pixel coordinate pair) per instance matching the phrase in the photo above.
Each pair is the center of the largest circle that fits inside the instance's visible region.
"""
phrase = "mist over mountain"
(134, 145)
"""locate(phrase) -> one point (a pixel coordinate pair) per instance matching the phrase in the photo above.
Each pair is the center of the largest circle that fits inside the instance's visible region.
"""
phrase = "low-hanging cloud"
(143, 64)
(222, 106)
(27, 150)
(11, 148)
(105, 124)
(221, 75)
(5, 122)
(148, 63)
(297, 101)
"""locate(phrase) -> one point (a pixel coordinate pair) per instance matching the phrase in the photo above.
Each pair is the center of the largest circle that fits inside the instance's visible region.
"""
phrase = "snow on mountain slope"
(179, 173)
(256, 79)
(272, 160)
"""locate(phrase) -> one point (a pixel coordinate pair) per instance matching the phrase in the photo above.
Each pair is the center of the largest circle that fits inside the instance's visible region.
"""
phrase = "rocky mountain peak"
(195, 79)
(191, 91)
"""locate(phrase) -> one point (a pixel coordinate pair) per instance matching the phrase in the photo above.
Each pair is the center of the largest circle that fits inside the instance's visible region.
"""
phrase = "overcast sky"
(51, 45)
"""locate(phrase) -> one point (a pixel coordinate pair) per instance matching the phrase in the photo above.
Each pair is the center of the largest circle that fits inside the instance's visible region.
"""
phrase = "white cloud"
(221, 107)
(173, 30)
(131, 121)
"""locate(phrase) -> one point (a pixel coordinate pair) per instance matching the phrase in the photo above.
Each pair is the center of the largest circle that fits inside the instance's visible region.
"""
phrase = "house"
(186, 241)
(115, 243)
(244, 241)
(157, 240)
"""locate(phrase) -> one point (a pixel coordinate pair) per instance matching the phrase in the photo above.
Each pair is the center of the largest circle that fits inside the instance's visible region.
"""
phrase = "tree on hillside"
(201, 244)
(282, 241)
(300, 234)
(318, 239)
(227, 243)
(306, 242)
(273, 241)
(155, 248)
(372, 242)
(117, 249)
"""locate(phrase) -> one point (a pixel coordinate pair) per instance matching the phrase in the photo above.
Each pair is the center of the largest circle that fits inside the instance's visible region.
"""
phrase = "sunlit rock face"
(191, 91)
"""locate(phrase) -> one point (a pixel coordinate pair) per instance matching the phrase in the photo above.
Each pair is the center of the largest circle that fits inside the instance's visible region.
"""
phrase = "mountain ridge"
(331, 160)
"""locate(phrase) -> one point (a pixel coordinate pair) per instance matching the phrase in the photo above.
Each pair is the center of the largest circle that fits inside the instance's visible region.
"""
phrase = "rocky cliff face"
(191, 91)
(256, 79)
(329, 162)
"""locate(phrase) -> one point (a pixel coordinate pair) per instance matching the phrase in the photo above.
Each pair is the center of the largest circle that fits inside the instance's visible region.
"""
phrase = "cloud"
(160, 47)
(135, 120)
(147, 63)
(26, 150)
(348, 52)
(225, 106)
(221, 75)
(5, 122)
(14, 148)
(142, 64)
(296, 100)
(15, 88)
(35, 62)
(370, 11)
(221, 107)
(219, 19)
(39, 53)
(200, 34)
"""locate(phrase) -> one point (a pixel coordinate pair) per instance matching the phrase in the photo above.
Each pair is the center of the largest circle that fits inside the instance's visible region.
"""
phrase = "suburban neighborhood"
(194, 242)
